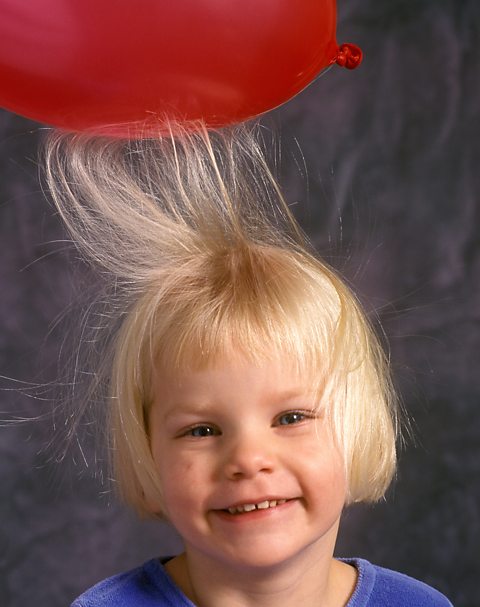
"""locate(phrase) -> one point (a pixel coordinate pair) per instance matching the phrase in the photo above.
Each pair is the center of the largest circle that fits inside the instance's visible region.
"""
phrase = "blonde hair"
(205, 259)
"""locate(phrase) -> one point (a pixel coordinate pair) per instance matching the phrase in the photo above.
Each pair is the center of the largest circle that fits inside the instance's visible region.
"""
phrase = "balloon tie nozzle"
(349, 56)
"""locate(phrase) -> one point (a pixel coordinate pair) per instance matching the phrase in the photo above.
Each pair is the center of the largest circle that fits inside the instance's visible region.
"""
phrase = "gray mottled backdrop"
(389, 191)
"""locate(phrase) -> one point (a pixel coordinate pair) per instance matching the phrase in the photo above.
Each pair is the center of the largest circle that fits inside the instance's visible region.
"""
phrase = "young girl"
(249, 399)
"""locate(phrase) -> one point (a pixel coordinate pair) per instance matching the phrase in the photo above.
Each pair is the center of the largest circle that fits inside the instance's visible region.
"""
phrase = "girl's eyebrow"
(181, 408)
(292, 393)
(191, 408)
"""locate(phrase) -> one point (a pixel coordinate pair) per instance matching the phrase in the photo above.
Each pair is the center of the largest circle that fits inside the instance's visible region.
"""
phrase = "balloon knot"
(349, 56)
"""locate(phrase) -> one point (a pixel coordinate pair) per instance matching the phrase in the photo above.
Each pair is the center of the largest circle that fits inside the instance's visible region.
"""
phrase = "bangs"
(254, 301)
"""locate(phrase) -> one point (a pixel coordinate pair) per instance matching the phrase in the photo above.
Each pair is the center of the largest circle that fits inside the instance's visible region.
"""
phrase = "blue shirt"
(151, 586)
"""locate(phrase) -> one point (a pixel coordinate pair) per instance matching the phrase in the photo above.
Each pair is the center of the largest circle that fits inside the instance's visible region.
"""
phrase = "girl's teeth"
(260, 506)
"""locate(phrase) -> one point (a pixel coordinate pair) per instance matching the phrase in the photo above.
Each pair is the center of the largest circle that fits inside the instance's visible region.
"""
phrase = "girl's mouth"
(265, 505)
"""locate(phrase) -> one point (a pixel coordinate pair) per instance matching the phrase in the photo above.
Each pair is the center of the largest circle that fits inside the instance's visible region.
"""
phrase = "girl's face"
(250, 473)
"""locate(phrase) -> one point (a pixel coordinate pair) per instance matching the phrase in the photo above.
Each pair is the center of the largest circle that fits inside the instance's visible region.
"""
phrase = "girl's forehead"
(272, 375)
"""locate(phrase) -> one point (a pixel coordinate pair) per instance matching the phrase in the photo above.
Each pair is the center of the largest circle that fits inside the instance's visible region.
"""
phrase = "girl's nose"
(248, 456)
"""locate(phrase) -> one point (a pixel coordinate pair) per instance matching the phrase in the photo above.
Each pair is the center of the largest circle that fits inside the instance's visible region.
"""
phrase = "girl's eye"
(202, 431)
(292, 417)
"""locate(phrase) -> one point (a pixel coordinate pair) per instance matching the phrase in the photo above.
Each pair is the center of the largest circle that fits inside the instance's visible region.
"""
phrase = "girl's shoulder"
(377, 587)
(145, 586)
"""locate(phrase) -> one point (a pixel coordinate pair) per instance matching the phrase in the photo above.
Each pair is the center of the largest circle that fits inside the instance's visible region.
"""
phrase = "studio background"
(382, 168)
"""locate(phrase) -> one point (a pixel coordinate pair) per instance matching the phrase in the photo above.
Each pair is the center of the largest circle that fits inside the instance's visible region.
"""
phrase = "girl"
(249, 399)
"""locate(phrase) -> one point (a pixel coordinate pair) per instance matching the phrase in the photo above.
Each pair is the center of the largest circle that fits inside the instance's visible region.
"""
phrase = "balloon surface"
(118, 66)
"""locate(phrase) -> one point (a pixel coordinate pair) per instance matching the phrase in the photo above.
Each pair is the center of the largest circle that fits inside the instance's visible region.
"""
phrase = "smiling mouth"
(265, 505)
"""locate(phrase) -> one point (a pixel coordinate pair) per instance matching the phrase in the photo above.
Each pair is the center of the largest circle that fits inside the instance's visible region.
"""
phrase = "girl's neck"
(324, 584)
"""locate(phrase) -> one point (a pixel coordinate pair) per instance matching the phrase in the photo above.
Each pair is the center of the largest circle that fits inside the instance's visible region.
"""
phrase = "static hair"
(205, 261)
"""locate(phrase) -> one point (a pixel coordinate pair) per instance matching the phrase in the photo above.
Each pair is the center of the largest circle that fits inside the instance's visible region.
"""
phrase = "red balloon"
(117, 66)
